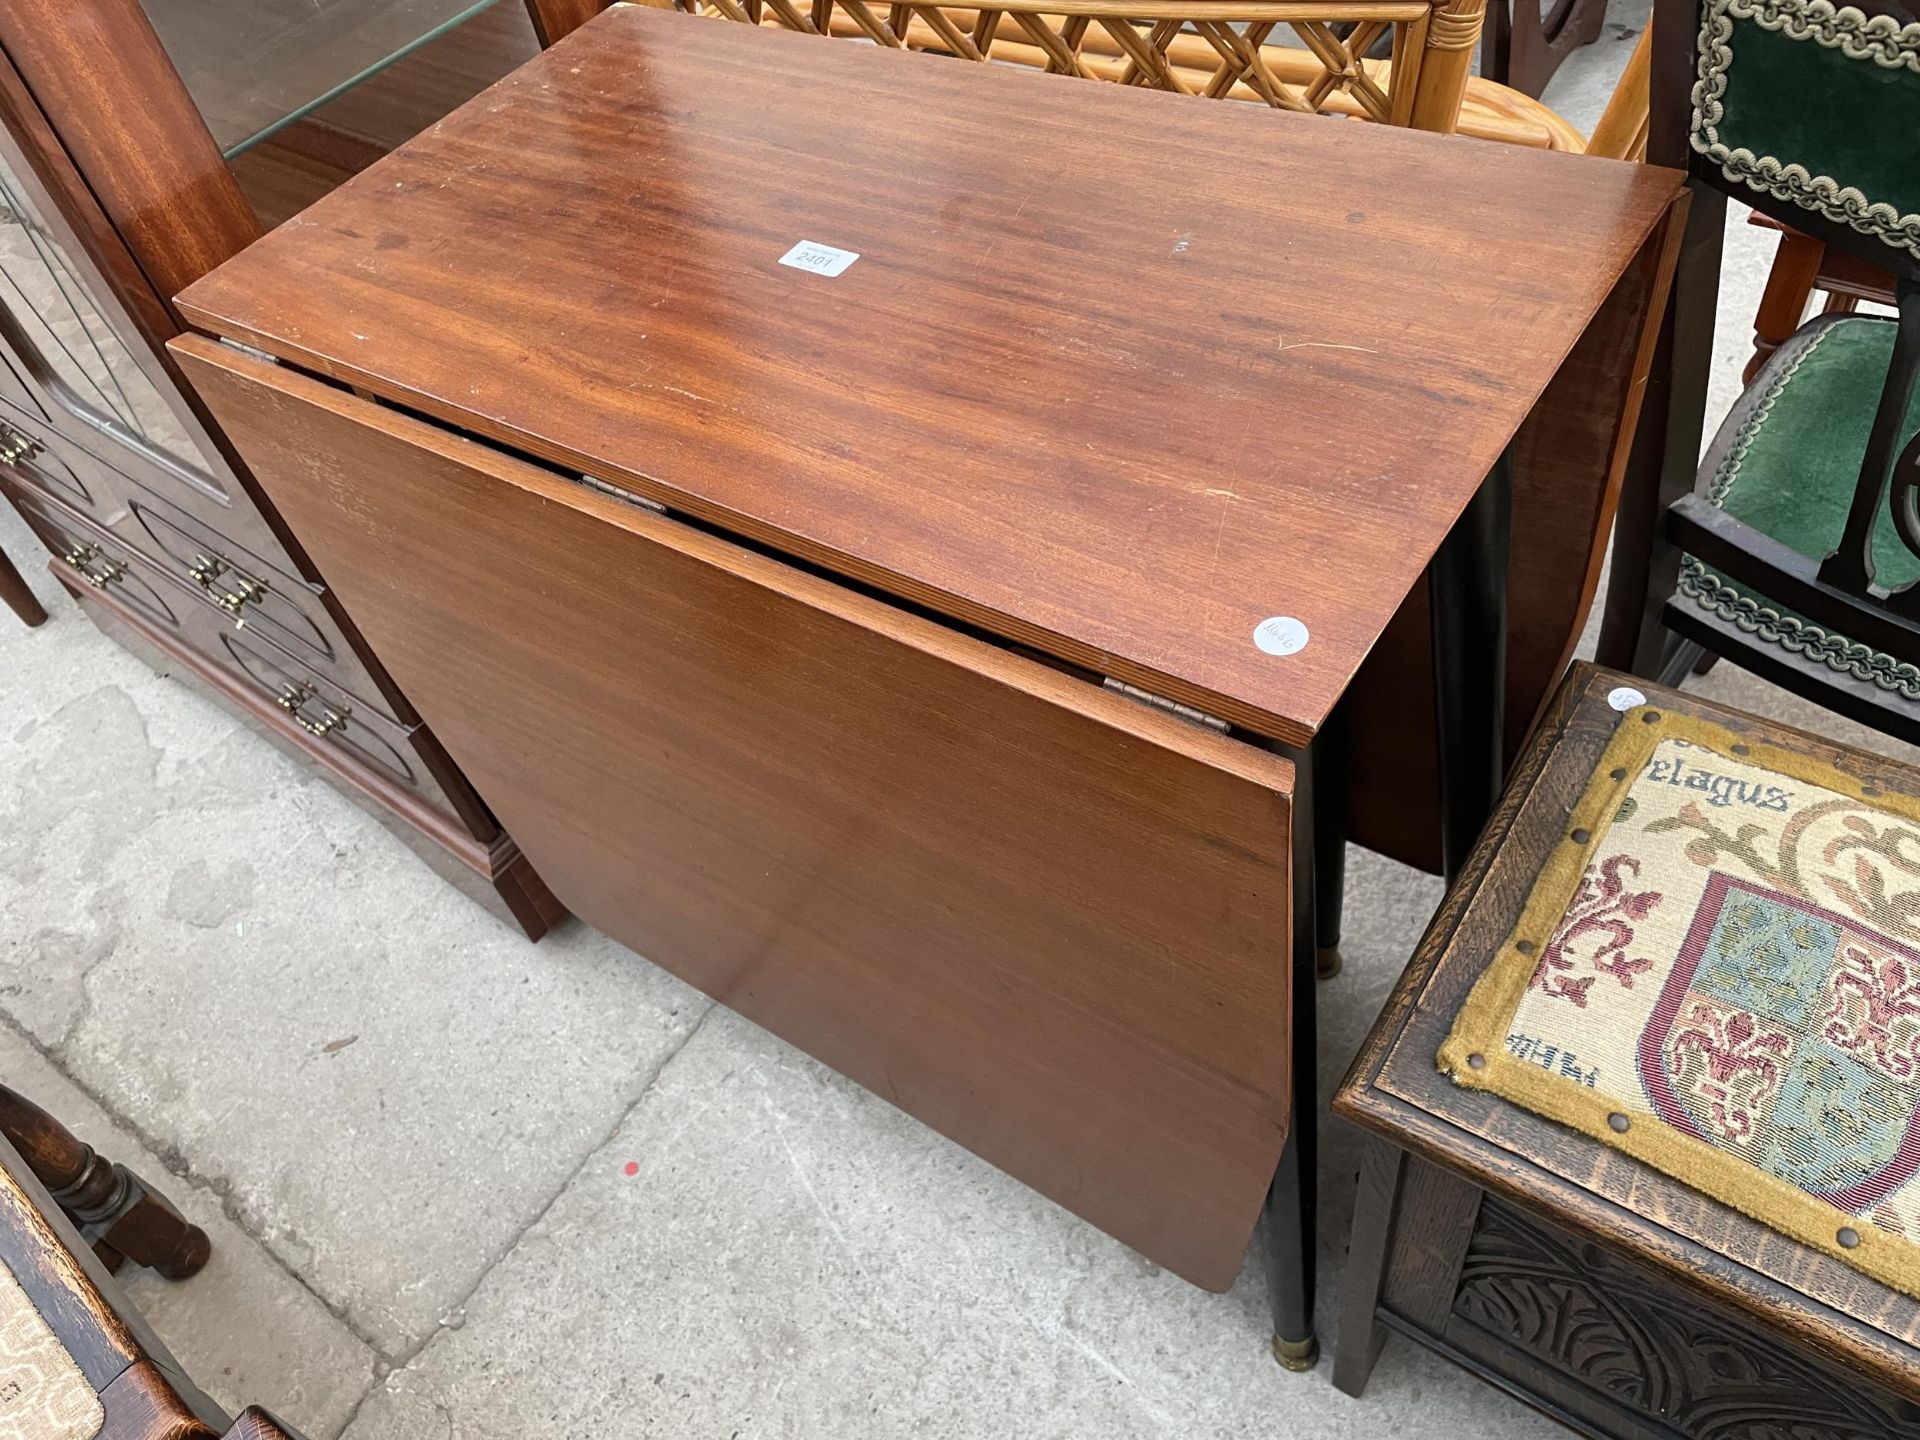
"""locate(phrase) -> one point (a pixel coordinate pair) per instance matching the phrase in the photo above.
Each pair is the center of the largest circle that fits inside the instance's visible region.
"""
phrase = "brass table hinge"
(602, 487)
(1161, 702)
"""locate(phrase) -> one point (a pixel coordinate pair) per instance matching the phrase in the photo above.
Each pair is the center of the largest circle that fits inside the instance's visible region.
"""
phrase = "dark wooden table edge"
(1720, 1281)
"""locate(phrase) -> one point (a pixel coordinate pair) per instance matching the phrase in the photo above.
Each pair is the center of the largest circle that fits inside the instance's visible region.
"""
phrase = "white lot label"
(818, 259)
(1280, 635)
(1625, 698)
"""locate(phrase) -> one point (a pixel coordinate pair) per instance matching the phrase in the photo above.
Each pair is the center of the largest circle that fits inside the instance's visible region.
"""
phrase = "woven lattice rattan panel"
(1213, 48)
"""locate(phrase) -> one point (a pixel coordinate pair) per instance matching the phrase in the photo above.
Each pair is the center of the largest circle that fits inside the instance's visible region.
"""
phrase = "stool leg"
(22, 601)
(1292, 1236)
(1376, 1202)
(118, 1213)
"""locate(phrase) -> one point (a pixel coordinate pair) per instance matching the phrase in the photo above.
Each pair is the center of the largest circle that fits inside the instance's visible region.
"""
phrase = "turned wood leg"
(20, 600)
(118, 1213)
(1796, 266)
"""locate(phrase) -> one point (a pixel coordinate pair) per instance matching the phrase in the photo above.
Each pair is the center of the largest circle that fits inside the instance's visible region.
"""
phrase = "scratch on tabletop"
(1321, 345)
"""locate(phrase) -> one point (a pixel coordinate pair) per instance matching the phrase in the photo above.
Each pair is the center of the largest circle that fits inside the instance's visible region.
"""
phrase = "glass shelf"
(256, 66)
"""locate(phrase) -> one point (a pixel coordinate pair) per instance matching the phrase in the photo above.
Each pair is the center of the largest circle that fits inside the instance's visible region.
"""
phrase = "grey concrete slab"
(387, 1082)
(246, 1328)
(793, 1257)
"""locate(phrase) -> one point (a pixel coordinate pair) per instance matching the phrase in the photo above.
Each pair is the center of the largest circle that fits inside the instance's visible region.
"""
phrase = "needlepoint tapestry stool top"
(43, 1395)
(1718, 972)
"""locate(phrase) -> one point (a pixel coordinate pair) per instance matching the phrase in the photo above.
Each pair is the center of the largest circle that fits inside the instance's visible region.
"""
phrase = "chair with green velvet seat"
(1792, 549)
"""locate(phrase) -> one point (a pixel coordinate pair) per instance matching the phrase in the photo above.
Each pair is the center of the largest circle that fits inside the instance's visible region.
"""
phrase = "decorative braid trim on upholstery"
(1858, 36)
(1879, 38)
(1790, 632)
(1721, 485)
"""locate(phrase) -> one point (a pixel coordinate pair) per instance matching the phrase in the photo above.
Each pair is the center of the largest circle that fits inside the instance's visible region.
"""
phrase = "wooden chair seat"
(1784, 464)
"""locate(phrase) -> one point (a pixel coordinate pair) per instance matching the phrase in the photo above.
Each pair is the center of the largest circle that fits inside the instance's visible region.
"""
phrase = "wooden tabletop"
(1119, 374)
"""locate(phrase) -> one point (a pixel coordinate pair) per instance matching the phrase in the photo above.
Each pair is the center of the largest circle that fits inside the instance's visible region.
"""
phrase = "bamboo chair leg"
(118, 1213)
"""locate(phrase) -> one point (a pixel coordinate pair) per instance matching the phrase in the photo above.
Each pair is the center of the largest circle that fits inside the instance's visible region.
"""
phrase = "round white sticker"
(1625, 697)
(1280, 635)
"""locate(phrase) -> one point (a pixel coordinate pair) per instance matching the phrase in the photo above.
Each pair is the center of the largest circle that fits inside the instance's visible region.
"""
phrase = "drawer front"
(1048, 921)
(325, 711)
(90, 556)
(105, 474)
(255, 586)
(316, 704)
(1630, 1353)
(39, 466)
(251, 590)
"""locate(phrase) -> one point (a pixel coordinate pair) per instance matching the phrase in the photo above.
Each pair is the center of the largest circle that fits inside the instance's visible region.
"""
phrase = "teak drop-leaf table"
(923, 652)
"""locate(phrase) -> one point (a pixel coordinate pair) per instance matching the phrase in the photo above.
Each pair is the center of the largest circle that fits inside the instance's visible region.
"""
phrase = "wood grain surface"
(1048, 921)
(1699, 1246)
(1569, 459)
(1117, 374)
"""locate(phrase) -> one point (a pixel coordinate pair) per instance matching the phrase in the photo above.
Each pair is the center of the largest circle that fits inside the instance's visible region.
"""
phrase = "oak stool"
(76, 1361)
(1644, 1110)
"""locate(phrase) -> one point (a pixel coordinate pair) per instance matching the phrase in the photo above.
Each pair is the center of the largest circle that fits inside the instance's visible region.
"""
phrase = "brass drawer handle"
(17, 445)
(293, 699)
(241, 591)
(81, 559)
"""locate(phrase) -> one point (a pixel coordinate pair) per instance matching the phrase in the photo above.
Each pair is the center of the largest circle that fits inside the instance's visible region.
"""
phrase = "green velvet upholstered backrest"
(1816, 108)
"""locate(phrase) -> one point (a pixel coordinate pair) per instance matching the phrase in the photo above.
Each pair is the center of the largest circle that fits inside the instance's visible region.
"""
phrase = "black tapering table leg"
(1292, 1238)
(1467, 594)
(1330, 779)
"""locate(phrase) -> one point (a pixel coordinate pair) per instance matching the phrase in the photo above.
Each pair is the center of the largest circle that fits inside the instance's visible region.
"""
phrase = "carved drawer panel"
(111, 481)
(1623, 1339)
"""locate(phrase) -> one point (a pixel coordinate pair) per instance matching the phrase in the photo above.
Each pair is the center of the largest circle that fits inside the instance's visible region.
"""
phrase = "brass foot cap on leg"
(1327, 962)
(1298, 1355)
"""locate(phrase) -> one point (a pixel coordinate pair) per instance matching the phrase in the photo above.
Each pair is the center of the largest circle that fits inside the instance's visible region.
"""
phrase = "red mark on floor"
(633, 1167)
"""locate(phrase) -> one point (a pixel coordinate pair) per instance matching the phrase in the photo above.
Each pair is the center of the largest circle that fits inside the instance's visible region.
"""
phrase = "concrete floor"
(410, 1133)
